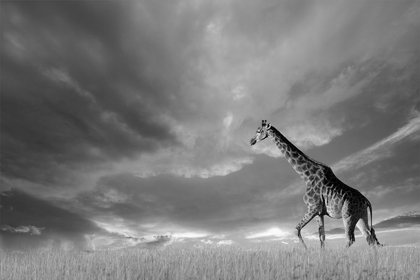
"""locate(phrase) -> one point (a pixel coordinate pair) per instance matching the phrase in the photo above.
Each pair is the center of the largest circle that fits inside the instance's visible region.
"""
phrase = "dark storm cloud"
(83, 83)
(221, 204)
(94, 93)
(46, 223)
(110, 81)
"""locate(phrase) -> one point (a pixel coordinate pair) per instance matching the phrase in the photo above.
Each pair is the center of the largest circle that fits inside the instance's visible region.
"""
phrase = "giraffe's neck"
(301, 163)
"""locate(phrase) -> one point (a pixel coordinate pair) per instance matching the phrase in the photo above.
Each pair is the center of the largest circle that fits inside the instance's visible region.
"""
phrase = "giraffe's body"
(325, 194)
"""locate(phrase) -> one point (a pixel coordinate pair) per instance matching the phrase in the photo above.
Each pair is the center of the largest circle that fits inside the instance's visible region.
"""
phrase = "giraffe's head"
(261, 134)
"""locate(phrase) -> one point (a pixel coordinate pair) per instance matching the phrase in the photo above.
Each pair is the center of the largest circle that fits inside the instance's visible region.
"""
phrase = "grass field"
(177, 262)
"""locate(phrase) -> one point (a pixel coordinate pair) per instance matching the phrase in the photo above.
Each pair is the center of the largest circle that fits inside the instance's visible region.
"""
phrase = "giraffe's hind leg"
(349, 226)
(370, 235)
(374, 238)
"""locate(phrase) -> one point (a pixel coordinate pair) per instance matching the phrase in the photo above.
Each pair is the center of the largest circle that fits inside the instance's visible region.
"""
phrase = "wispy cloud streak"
(379, 150)
(22, 229)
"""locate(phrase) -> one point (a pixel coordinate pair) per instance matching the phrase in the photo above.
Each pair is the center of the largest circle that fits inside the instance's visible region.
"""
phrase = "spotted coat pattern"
(325, 194)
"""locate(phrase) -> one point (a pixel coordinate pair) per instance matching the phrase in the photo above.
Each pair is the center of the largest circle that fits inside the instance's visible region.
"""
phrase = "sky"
(133, 118)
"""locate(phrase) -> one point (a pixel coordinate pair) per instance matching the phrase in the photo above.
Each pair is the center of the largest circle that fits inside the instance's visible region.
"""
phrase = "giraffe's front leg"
(312, 212)
(321, 229)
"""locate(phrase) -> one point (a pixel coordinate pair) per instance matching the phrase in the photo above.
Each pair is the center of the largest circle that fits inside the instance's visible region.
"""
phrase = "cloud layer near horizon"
(137, 115)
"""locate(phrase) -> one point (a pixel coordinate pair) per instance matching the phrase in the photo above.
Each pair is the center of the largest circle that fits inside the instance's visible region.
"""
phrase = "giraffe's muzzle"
(252, 142)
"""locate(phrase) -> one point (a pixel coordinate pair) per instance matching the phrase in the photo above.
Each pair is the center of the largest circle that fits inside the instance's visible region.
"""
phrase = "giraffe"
(325, 193)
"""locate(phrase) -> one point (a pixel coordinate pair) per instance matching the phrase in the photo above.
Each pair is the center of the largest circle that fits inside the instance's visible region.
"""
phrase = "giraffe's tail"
(371, 221)
(374, 239)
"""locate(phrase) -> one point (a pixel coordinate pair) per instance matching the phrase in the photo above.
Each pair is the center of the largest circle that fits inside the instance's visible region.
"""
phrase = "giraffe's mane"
(275, 130)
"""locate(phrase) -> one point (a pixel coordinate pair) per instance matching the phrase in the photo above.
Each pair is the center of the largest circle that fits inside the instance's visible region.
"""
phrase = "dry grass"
(177, 262)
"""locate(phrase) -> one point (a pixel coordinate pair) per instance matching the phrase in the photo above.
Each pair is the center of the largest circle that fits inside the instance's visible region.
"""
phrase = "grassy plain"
(180, 262)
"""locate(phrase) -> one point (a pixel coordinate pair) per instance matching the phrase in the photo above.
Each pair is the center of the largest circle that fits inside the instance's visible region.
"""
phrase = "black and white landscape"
(127, 123)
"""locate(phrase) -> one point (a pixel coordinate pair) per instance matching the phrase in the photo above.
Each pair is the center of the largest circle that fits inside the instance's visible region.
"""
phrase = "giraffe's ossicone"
(325, 194)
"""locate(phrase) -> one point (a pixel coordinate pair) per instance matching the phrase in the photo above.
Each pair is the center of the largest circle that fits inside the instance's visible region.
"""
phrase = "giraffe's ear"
(268, 126)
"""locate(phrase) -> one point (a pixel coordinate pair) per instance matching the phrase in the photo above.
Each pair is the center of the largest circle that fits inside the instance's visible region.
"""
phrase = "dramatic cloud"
(401, 221)
(22, 229)
(50, 225)
(382, 148)
(135, 116)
